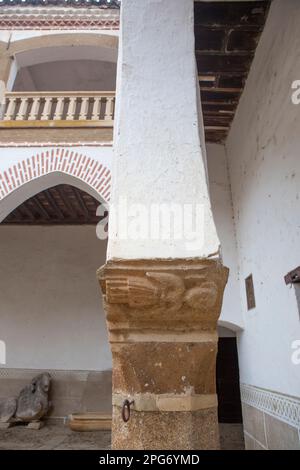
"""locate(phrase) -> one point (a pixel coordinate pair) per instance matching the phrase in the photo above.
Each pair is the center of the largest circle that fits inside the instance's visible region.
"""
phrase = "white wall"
(51, 314)
(263, 154)
(221, 202)
(12, 155)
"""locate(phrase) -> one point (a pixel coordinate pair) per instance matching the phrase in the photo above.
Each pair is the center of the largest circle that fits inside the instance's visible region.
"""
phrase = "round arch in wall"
(49, 168)
(73, 39)
(43, 48)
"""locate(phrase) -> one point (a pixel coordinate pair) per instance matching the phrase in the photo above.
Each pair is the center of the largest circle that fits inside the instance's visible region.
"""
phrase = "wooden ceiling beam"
(40, 208)
(28, 211)
(54, 205)
(81, 203)
(17, 214)
(221, 89)
(59, 200)
(66, 201)
(214, 53)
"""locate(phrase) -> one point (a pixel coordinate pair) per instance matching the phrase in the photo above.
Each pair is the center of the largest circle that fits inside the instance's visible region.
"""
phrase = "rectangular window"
(250, 292)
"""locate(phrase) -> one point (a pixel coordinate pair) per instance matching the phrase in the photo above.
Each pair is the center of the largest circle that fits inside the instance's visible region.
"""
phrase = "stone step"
(92, 421)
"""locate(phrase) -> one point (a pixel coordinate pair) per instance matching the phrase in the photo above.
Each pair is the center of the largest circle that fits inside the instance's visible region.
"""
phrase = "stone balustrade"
(71, 109)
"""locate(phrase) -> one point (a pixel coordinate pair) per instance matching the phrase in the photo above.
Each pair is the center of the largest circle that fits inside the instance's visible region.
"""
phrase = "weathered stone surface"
(168, 430)
(162, 317)
(36, 425)
(31, 404)
(163, 294)
(7, 409)
(167, 401)
(164, 367)
(55, 436)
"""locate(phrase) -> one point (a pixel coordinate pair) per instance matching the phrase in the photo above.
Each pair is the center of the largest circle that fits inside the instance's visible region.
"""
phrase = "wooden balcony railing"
(59, 109)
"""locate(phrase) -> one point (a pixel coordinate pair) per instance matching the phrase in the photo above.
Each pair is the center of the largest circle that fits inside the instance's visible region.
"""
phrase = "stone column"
(162, 295)
(5, 65)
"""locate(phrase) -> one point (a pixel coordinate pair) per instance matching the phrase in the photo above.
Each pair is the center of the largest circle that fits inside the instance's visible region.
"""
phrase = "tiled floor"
(58, 437)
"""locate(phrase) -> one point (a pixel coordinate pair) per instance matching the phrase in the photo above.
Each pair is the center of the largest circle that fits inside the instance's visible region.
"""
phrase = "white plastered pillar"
(158, 140)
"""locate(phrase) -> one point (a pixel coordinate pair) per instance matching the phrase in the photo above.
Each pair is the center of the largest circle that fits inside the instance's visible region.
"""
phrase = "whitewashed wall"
(263, 155)
(12, 155)
(221, 202)
(51, 314)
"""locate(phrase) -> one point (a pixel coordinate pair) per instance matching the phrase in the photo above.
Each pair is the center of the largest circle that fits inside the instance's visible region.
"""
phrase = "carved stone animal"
(31, 404)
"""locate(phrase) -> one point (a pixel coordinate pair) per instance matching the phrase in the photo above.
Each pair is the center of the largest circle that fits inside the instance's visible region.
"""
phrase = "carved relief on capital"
(163, 291)
(154, 289)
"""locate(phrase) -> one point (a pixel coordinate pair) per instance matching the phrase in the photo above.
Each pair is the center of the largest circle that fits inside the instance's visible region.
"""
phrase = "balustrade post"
(71, 109)
(84, 107)
(47, 109)
(22, 110)
(59, 109)
(109, 109)
(33, 115)
(9, 115)
(96, 109)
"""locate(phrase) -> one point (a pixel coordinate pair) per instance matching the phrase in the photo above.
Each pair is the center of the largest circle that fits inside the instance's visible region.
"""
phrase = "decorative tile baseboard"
(282, 407)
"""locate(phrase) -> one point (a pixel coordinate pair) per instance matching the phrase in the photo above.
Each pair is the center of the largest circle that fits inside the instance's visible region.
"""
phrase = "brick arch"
(59, 39)
(86, 169)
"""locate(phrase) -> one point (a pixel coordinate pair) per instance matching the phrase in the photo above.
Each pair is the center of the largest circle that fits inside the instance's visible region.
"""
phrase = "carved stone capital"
(159, 295)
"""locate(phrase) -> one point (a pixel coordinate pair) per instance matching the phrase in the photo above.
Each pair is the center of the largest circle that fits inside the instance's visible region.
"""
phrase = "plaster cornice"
(60, 18)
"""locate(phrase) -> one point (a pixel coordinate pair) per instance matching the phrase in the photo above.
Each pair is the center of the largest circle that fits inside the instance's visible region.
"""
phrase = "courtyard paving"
(53, 437)
(59, 437)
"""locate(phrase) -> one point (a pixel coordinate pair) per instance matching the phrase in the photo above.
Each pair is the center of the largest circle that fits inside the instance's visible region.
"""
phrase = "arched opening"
(66, 68)
(63, 81)
(31, 174)
(52, 318)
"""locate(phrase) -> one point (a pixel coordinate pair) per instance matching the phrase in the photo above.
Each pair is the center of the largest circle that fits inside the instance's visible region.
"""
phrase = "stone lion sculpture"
(31, 405)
